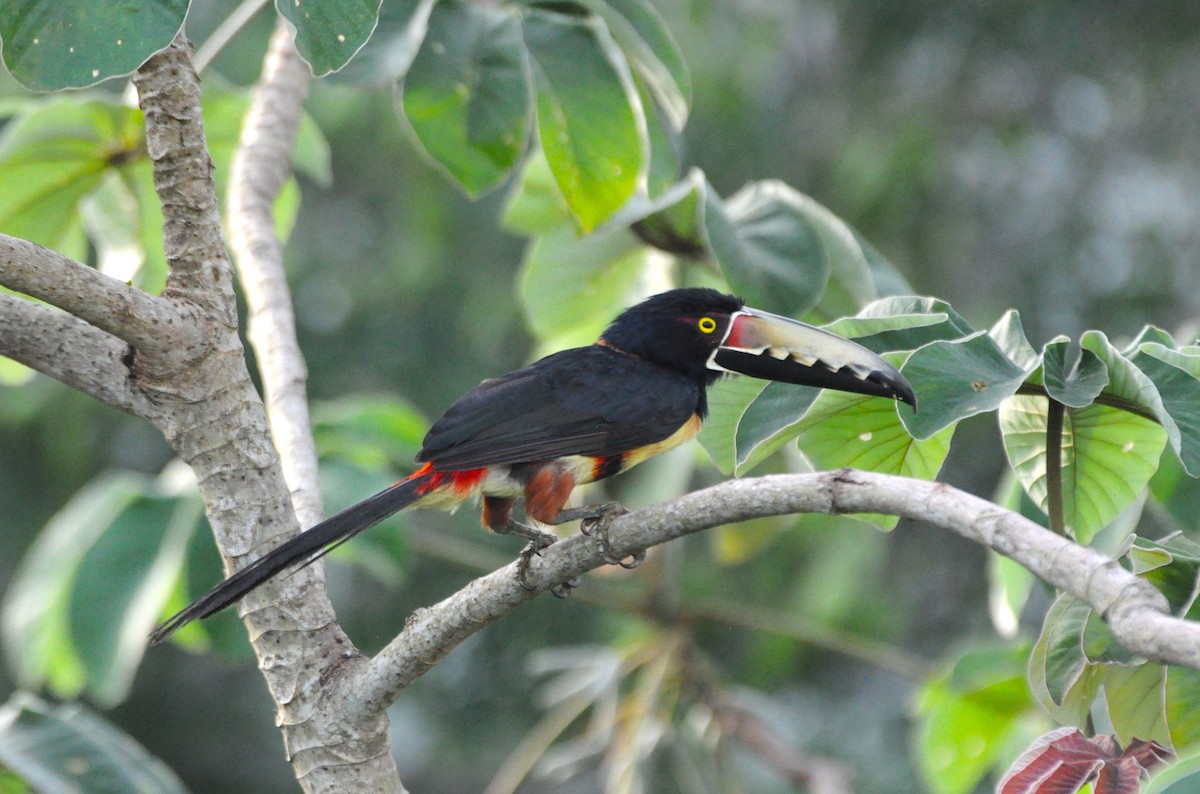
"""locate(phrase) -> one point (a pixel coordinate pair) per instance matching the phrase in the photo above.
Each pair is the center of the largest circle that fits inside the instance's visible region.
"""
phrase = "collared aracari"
(583, 415)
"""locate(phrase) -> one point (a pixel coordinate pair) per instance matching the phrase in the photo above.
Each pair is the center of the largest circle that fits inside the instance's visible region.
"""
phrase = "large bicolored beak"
(767, 346)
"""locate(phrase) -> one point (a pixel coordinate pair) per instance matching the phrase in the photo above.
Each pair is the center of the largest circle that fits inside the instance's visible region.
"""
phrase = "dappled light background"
(1039, 156)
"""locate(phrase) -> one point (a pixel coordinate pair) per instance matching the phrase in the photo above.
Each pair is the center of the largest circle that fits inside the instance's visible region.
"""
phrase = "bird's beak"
(771, 347)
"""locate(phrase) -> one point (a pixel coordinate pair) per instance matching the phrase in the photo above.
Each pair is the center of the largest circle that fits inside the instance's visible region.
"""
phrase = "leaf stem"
(1111, 400)
(1054, 483)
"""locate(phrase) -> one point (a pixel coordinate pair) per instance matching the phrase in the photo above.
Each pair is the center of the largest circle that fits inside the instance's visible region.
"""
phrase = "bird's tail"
(305, 548)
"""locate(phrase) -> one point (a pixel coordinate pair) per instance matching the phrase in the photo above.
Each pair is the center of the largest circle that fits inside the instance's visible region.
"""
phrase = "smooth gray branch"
(68, 349)
(1136, 612)
(148, 323)
(261, 166)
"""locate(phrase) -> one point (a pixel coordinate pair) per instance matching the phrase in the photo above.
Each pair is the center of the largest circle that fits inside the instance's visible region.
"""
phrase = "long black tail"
(301, 550)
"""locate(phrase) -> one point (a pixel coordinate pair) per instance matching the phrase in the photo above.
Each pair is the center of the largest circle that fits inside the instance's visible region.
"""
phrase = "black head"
(703, 333)
(677, 330)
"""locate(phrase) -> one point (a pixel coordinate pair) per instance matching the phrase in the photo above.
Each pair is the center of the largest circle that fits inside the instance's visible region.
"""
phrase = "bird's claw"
(563, 589)
(532, 548)
(595, 521)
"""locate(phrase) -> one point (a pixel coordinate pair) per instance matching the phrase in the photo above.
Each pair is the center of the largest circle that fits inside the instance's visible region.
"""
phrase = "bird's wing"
(587, 401)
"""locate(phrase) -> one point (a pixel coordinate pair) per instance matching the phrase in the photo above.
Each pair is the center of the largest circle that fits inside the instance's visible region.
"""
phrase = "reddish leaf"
(1149, 755)
(1120, 777)
(1060, 762)
(1064, 760)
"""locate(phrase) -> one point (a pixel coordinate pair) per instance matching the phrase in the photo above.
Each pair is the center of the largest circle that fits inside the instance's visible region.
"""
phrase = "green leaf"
(1074, 383)
(35, 616)
(1059, 675)
(1009, 334)
(67, 620)
(328, 33)
(1107, 458)
(535, 206)
(969, 717)
(467, 93)
(652, 52)
(769, 421)
(1182, 707)
(775, 246)
(370, 431)
(571, 288)
(593, 139)
(1136, 699)
(866, 433)
(110, 616)
(53, 157)
(1172, 565)
(49, 45)
(728, 400)
(1176, 376)
(956, 379)
(673, 221)
(902, 323)
(68, 748)
(664, 143)
(389, 52)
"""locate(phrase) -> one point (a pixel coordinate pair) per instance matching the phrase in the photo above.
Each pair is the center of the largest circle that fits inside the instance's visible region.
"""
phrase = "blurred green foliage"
(1039, 157)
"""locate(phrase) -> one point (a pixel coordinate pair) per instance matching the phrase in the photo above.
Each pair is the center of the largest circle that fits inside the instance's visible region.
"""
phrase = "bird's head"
(704, 334)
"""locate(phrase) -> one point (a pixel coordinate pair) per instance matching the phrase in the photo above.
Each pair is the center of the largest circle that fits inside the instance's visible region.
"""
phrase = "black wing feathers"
(586, 401)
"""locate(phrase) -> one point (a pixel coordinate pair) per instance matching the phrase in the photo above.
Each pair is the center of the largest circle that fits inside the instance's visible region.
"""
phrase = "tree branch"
(1136, 612)
(69, 350)
(214, 419)
(169, 96)
(151, 324)
(261, 166)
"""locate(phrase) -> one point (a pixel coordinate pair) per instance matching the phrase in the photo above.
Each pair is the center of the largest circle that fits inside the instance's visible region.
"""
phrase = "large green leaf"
(1176, 376)
(467, 94)
(728, 400)
(110, 616)
(970, 717)
(866, 433)
(592, 136)
(956, 379)
(1059, 674)
(1182, 707)
(775, 245)
(68, 621)
(902, 323)
(1075, 383)
(54, 156)
(329, 32)
(393, 45)
(49, 44)
(1107, 458)
(571, 287)
(673, 221)
(68, 748)
(1136, 698)
(651, 49)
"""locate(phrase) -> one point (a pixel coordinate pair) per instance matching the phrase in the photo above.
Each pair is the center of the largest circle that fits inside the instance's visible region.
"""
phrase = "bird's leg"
(538, 540)
(594, 521)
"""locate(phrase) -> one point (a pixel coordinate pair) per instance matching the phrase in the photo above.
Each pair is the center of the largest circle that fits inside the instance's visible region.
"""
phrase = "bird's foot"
(538, 540)
(594, 521)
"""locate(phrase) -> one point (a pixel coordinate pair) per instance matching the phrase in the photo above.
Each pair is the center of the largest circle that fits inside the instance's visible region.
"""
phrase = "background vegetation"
(1039, 156)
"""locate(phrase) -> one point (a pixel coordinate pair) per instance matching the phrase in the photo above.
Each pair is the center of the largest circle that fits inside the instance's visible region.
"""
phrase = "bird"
(582, 415)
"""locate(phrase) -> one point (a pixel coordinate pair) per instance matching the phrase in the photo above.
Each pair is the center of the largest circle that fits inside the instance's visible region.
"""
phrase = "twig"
(1137, 613)
(68, 349)
(261, 166)
(151, 324)
(1054, 470)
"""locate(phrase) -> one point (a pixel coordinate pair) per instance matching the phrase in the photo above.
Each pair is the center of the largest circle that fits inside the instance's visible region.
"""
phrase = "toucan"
(583, 415)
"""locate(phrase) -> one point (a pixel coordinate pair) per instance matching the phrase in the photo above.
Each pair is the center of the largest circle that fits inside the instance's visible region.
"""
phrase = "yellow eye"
(707, 325)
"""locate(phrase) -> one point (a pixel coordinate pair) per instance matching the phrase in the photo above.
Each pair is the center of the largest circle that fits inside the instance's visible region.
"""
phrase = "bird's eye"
(707, 325)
